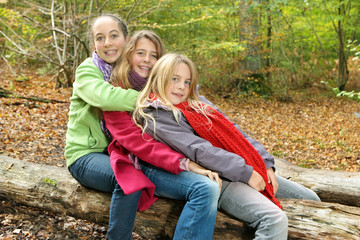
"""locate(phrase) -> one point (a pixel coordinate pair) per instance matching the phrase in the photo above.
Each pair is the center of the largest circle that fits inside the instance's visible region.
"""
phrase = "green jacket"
(91, 93)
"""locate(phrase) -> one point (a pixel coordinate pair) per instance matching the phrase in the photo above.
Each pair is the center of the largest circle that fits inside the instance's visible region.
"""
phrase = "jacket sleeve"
(183, 139)
(128, 135)
(266, 156)
(92, 89)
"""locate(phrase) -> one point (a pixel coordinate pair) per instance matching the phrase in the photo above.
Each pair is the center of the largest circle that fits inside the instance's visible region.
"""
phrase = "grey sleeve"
(182, 138)
(267, 157)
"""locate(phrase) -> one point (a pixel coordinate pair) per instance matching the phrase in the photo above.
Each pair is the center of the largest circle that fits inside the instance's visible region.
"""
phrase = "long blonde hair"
(119, 76)
(159, 80)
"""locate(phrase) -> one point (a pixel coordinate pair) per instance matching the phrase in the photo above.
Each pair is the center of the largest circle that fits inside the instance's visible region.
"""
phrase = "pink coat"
(128, 138)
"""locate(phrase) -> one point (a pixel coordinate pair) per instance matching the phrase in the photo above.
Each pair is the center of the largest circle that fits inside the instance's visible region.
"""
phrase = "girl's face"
(144, 57)
(109, 40)
(178, 89)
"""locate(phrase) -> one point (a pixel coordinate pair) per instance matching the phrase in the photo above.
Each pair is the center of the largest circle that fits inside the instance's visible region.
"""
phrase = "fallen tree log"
(331, 186)
(9, 94)
(52, 188)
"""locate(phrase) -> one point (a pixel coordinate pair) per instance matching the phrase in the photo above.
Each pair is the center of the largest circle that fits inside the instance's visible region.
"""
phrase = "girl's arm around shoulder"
(128, 135)
(183, 139)
(90, 86)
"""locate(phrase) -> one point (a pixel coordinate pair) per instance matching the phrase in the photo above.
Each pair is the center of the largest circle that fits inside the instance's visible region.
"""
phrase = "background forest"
(287, 71)
(246, 47)
(272, 66)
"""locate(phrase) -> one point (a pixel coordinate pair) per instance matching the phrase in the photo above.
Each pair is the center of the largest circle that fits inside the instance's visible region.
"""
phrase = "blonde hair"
(119, 76)
(159, 80)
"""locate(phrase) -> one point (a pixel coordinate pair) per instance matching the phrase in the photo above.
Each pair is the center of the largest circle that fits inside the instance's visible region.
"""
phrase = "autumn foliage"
(311, 130)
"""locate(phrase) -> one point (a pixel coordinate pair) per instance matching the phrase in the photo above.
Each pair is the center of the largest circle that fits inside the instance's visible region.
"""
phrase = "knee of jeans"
(279, 220)
(309, 194)
(211, 191)
(283, 219)
(313, 196)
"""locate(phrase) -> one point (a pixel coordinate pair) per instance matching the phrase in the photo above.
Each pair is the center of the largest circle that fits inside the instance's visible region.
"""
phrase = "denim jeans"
(94, 171)
(197, 219)
(290, 189)
(245, 203)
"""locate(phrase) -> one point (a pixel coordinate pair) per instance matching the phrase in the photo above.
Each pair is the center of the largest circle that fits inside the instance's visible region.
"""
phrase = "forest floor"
(311, 129)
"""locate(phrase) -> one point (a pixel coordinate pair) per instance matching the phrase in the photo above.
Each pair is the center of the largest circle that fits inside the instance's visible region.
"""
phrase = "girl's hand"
(257, 182)
(196, 168)
(273, 180)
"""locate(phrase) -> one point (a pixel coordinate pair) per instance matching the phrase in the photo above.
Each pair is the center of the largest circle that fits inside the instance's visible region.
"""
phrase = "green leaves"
(50, 182)
(296, 40)
(352, 94)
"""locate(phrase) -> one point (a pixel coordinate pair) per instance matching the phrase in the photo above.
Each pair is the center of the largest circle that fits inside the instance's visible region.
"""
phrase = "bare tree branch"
(54, 33)
(32, 56)
(14, 43)
(131, 10)
(144, 13)
(58, 30)
(311, 23)
(103, 5)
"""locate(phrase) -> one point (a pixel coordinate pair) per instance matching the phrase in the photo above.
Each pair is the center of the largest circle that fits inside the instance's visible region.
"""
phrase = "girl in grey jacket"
(173, 81)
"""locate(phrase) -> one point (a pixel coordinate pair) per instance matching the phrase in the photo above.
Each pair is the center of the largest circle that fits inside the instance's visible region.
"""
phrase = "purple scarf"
(136, 81)
(104, 67)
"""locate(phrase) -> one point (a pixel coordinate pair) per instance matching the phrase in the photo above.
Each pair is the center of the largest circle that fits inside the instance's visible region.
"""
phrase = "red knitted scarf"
(223, 134)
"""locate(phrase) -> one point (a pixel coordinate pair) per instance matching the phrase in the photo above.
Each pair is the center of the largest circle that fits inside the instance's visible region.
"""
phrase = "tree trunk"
(248, 32)
(268, 42)
(52, 188)
(343, 75)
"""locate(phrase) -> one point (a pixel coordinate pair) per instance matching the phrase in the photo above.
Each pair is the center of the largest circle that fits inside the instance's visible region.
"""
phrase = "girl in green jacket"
(86, 144)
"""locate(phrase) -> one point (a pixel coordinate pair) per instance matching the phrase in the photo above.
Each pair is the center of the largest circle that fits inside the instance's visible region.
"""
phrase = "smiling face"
(144, 57)
(109, 40)
(178, 89)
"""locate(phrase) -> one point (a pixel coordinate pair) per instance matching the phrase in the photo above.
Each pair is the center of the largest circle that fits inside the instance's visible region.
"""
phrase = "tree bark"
(53, 188)
(331, 186)
(343, 74)
(8, 94)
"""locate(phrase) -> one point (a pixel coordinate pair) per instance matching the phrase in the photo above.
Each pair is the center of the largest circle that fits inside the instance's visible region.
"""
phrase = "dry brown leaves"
(33, 131)
(23, 222)
(316, 132)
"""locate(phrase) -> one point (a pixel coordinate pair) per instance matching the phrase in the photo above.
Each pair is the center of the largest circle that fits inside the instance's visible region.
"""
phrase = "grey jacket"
(184, 139)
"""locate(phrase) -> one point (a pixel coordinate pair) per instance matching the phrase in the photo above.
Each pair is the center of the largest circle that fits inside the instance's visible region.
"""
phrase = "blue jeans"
(197, 219)
(94, 171)
(245, 203)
